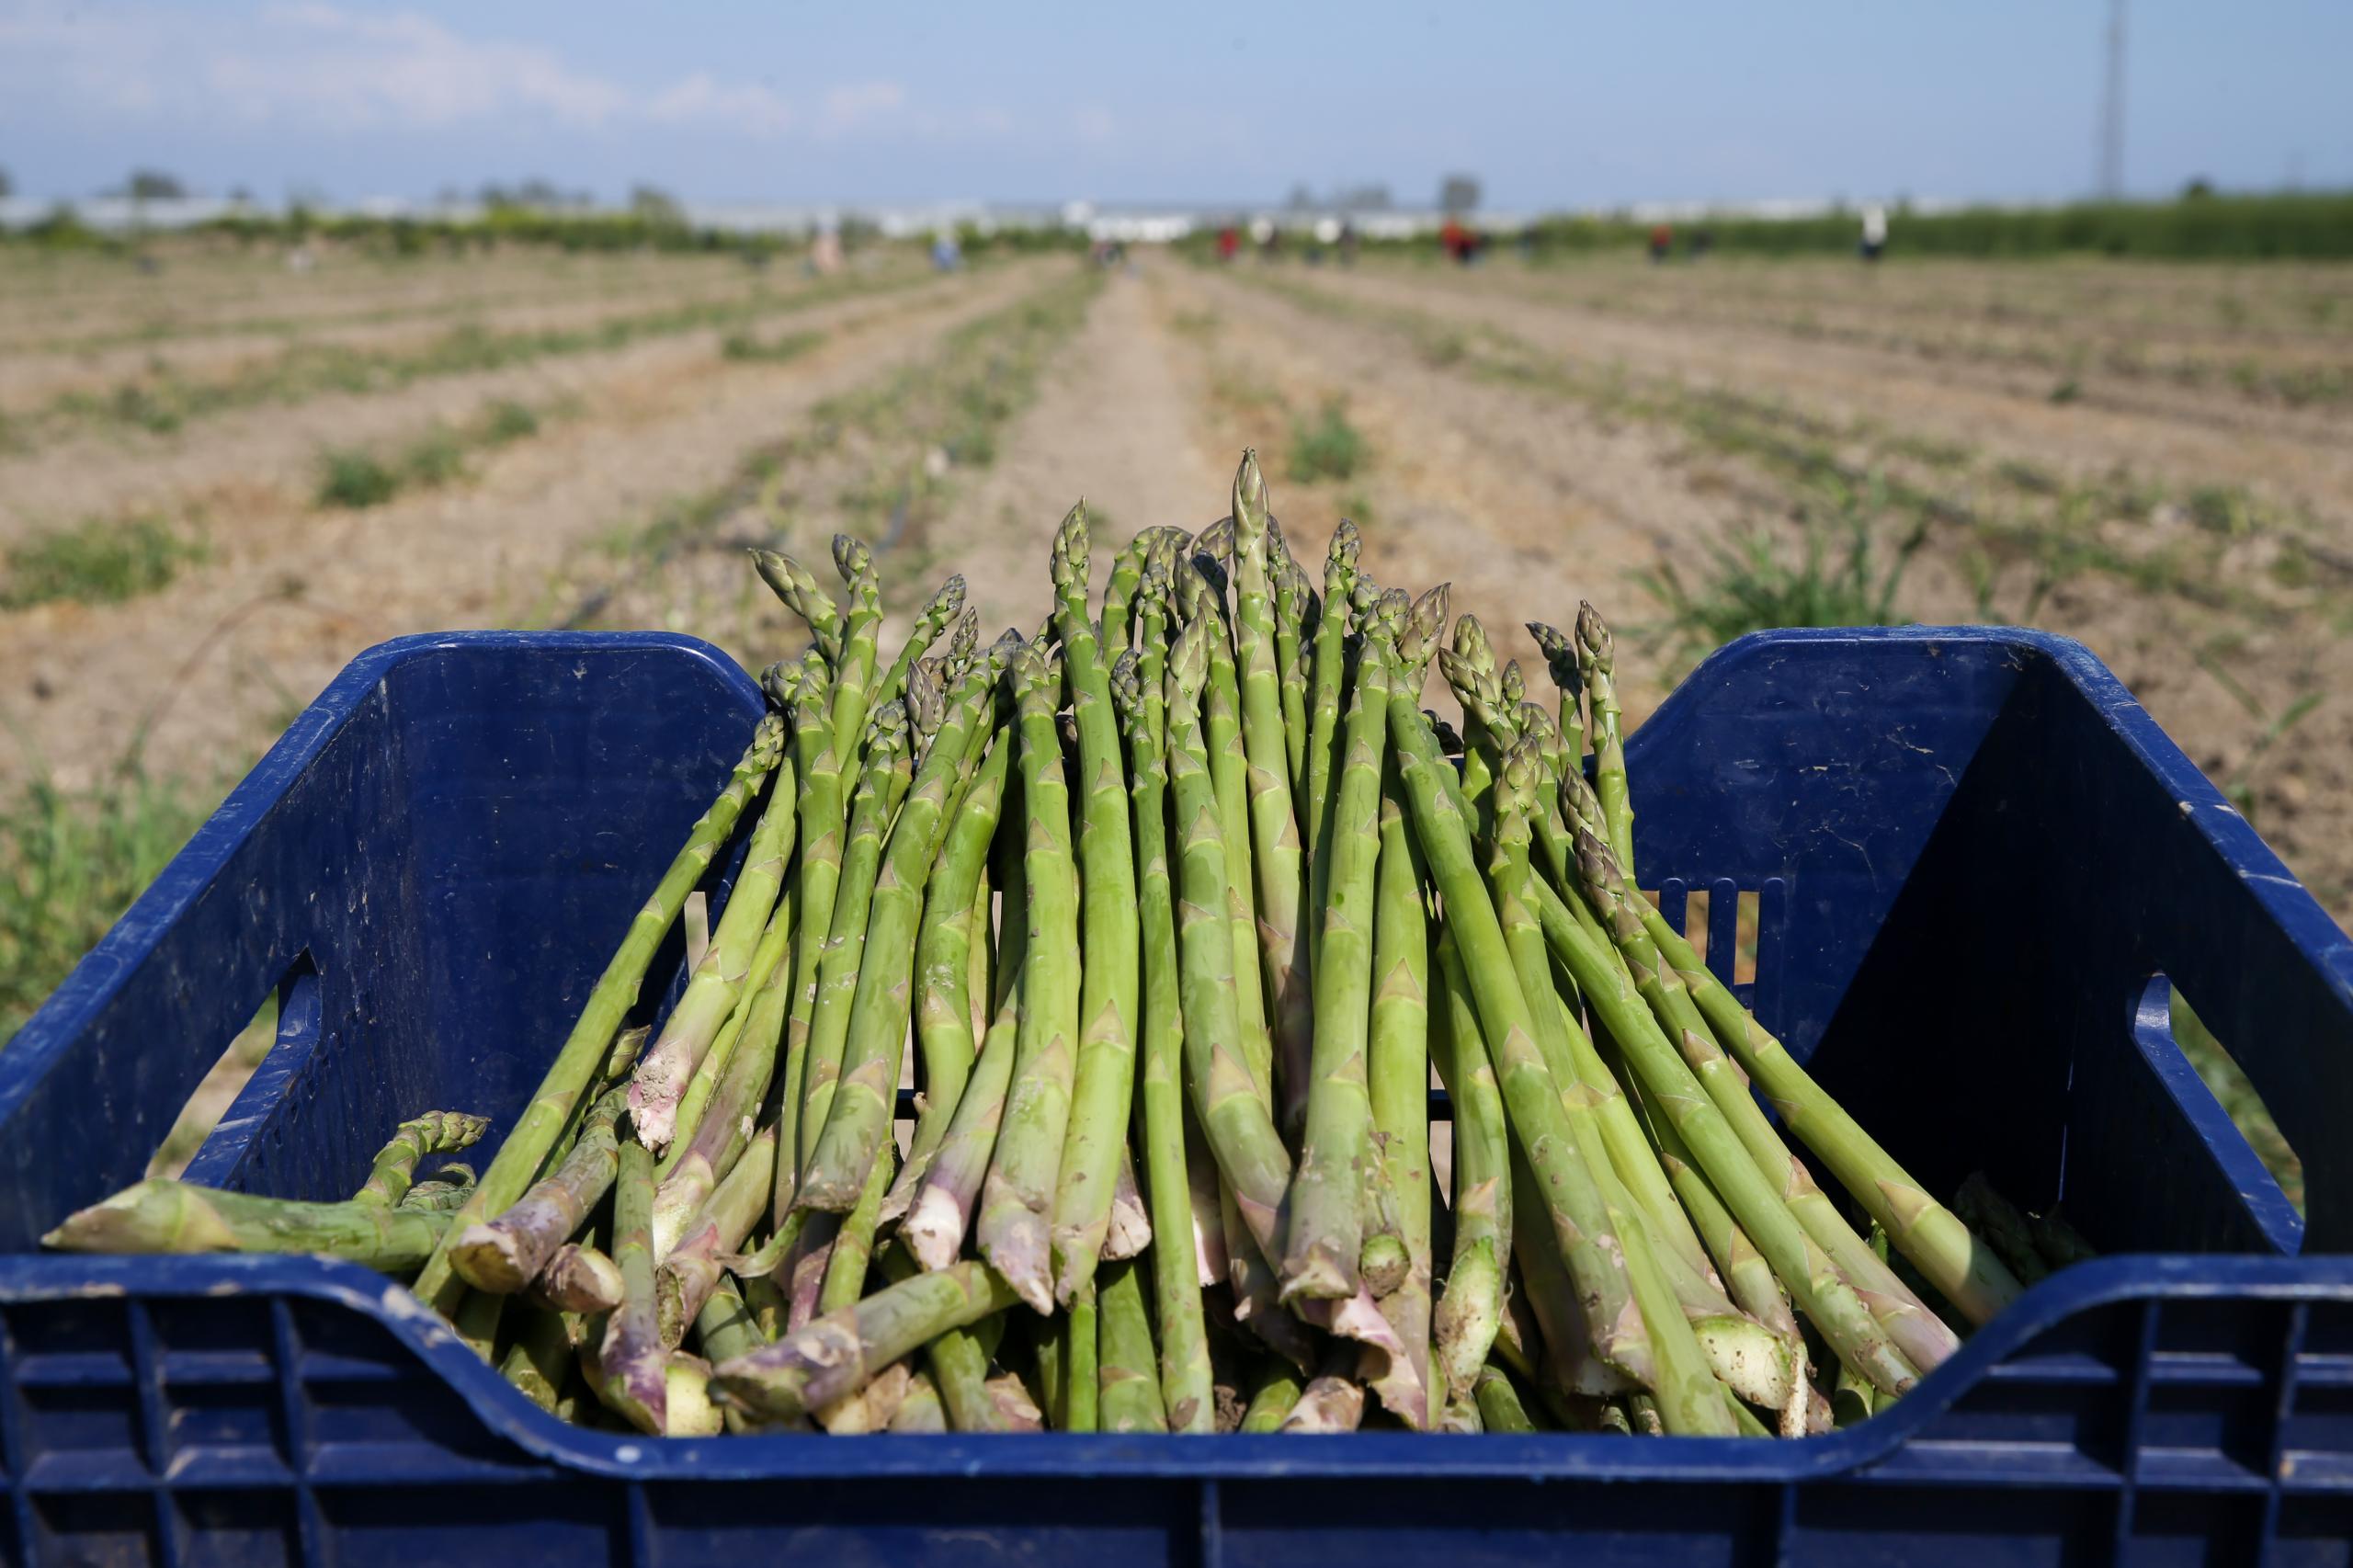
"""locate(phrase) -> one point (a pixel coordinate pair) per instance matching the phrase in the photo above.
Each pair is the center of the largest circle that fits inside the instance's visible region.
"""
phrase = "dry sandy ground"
(1115, 425)
(208, 668)
(49, 303)
(2304, 461)
(227, 457)
(29, 380)
(2218, 676)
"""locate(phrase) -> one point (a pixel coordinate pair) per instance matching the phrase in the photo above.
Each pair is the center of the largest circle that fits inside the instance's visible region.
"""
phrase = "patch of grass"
(71, 861)
(1752, 583)
(743, 346)
(1327, 446)
(163, 400)
(353, 477)
(358, 477)
(506, 420)
(1194, 323)
(435, 457)
(2067, 391)
(99, 561)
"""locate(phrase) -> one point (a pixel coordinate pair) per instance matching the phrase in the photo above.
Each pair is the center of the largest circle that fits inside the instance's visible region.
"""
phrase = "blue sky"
(1551, 105)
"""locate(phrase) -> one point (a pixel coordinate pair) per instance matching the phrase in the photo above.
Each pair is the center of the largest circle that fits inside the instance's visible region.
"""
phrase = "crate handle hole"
(2227, 1083)
(216, 1092)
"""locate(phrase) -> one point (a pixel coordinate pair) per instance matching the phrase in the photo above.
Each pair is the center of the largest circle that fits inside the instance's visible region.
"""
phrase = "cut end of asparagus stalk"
(581, 1279)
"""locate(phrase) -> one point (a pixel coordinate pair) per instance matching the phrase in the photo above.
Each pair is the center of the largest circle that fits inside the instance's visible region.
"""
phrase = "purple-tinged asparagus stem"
(688, 1275)
(1333, 1400)
(1016, 1198)
(718, 981)
(636, 1382)
(506, 1254)
(1129, 1231)
(580, 1279)
(941, 1214)
(588, 1048)
(839, 1353)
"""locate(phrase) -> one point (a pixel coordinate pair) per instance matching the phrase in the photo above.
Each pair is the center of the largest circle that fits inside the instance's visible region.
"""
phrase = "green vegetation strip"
(97, 561)
(2044, 522)
(165, 400)
(71, 861)
(363, 476)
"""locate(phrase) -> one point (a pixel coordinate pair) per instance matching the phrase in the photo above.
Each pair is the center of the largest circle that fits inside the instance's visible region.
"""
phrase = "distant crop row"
(576, 232)
(2299, 226)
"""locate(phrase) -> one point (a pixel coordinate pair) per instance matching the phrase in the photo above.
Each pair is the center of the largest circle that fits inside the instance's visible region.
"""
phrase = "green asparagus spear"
(542, 1122)
(161, 1216)
(435, 1132)
(1016, 1198)
(1103, 1083)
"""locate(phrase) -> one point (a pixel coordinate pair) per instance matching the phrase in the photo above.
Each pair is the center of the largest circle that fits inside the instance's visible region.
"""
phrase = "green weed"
(99, 561)
(436, 457)
(743, 345)
(507, 420)
(1751, 584)
(356, 478)
(71, 861)
(1325, 446)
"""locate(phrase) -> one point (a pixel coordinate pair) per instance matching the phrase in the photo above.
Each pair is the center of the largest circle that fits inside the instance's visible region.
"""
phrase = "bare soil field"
(2154, 459)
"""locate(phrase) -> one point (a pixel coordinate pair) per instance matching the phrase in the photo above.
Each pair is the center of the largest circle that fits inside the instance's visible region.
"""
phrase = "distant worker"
(1267, 237)
(1662, 243)
(1461, 243)
(1229, 243)
(826, 253)
(1702, 242)
(946, 256)
(1874, 232)
(1347, 243)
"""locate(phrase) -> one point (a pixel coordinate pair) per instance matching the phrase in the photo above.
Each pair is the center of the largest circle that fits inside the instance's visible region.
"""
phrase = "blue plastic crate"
(1972, 854)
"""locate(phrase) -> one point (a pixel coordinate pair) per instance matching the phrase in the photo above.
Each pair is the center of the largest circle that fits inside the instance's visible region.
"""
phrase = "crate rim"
(108, 965)
(506, 1414)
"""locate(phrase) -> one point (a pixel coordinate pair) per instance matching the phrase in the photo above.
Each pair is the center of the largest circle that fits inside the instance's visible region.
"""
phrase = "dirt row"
(216, 463)
(61, 304)
(201, 674)
(30, 379)
(2300, 462)
(1627, 491)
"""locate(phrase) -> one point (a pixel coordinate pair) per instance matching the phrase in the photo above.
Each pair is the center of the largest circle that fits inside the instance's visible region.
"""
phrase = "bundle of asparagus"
(1180, 900)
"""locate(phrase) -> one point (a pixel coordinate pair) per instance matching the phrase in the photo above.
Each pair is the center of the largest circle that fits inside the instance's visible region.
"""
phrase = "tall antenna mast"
(2111, 108)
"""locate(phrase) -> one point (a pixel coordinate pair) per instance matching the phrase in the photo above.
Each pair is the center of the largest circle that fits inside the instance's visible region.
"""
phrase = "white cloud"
(702, 99)
(315, 66)
(856, 103)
